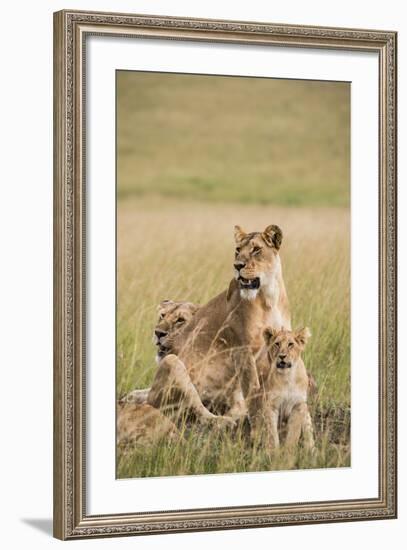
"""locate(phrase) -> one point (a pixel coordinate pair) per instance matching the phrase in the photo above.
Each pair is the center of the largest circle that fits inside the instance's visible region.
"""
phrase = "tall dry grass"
(184, 251)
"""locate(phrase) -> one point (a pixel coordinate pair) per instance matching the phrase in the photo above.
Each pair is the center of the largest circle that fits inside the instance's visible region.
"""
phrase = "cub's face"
(256, 259)
(172, 317)
(284, 347)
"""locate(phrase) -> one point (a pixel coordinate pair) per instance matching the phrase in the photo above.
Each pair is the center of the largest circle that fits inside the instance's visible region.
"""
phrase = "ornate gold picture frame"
(71, 31)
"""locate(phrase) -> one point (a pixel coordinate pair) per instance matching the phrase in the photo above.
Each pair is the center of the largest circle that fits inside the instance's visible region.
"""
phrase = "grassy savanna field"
(197, 155)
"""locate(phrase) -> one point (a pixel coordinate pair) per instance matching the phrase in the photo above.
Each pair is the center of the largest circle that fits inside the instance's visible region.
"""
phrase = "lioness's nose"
(160, 333)
(282, 356)
(239, 265)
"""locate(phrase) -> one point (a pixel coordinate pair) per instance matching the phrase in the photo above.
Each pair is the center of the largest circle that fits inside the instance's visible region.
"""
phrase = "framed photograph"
(225, 274)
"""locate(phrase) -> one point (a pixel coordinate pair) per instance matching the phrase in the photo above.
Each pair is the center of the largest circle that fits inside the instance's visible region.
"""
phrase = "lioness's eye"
(180, 320)
(290, 345)
(256, 249)
(161, 317)
(277, 344)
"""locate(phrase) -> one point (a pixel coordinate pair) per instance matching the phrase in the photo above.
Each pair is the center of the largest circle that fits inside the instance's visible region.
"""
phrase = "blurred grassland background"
(195, 156)
(230, 139)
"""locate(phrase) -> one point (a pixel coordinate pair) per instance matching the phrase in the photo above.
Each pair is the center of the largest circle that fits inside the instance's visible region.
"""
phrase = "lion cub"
(284, 386)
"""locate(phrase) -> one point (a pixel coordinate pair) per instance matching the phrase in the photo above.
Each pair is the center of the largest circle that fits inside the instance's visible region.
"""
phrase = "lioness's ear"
(273, 236)
(239, 234)
(193, 307)
(302, 336)
(164, 304)
(231, 289)
(268, 334)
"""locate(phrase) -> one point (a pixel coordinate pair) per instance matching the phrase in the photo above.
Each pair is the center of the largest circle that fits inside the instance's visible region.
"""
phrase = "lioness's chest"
(255, 330)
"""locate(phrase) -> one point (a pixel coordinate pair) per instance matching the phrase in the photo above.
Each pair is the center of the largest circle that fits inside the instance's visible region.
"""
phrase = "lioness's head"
(256, 259)
(284, 347)
(172, 317)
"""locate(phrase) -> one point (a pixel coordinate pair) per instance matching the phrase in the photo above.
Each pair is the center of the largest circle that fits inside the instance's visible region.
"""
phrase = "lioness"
(284, 386)
(172, 317)
(142, 425)
(215, 362)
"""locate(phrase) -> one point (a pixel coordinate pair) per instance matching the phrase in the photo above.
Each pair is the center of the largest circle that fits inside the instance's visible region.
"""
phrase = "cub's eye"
(276, 344)
(290, 344)
(237, 251)
(180, 320)
(161, 317)
(256, 249)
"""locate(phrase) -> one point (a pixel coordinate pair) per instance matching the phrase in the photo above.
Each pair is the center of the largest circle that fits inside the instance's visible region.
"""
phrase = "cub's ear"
(239, 234)
(302, 336)
(268, 334)
(273, 236)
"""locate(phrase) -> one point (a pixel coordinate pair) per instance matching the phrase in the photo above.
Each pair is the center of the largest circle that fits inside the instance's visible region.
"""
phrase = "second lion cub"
(284, 386)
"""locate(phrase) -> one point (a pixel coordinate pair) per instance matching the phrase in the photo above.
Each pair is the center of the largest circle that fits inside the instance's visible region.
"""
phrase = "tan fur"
(172, 317)
(173, 386)
(142, 425)
(283, 395)
(215, 351)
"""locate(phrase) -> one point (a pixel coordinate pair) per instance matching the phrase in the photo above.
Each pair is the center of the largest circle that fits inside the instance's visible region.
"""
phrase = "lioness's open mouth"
(283, 365)
(162, 351)
(249, 283)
